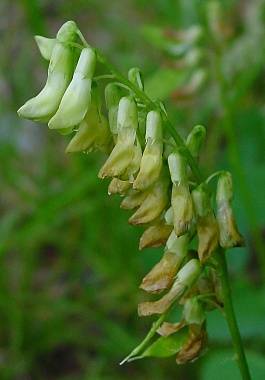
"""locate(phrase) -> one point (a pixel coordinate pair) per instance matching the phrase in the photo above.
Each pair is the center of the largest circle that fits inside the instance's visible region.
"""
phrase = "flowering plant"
(157, 175)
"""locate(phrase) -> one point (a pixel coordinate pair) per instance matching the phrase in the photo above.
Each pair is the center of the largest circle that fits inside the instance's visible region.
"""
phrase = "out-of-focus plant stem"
(231, 317)
(234, 158)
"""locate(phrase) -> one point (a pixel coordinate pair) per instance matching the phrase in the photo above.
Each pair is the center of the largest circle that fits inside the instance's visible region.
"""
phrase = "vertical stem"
(231, 318)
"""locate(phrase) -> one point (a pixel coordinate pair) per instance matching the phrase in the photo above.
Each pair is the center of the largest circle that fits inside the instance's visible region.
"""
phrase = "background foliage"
(70, 265)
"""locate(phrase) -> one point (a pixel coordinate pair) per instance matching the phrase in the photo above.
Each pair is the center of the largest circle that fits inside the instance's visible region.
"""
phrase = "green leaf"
(167, 345)
(163, 82)
(221, 364)
(250, 310)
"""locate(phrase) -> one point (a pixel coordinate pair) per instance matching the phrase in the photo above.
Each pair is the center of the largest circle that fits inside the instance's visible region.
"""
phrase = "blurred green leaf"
(250, 310)
(221, 365)
(163, 82)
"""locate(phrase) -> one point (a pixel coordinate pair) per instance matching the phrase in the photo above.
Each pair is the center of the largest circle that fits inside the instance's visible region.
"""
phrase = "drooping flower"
(207, 227)
(154, 204)
(77, 97)
(163, 273)
(93, 132)
(151, 163)
(118, 186)
(195, 140)
(185, 278)
(127, 147)
(229, 234)
(181, 200)
(133, 199)
(194, 346)
(43, 106)
(155, 235)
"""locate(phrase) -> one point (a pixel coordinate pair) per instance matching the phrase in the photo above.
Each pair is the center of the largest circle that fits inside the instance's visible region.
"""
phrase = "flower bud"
(112, 99)
(163, 273)
(77, 97)
(133, 199)
(93, 132)
(127, 115)
(155, 236)
(125, 149)
(195, 140)
(195, 344)
(117, 186)
(181, 200)
(43, 106)
(134, 165)
(193, 312)
(135, 76)
(67, 33)
(151, 163)
(45, 46)
(184, 280)
(154, 204)
(169, 219)
(207, 226)
(229, 234)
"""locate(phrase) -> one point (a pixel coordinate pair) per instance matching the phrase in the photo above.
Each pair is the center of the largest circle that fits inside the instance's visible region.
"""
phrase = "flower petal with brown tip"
(154, 204)
(194, 346)
(162, 275)
(208, 236)
(155, 236)
(167, 328)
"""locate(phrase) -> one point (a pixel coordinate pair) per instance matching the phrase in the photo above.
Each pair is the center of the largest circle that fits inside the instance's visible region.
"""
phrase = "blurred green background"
(70, 266)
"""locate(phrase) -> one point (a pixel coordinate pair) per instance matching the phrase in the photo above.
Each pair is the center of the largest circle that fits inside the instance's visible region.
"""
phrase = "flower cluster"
(152, 175)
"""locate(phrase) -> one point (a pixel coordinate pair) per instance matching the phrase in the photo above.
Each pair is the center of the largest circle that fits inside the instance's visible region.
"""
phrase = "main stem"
(231, 317)
(228, 304)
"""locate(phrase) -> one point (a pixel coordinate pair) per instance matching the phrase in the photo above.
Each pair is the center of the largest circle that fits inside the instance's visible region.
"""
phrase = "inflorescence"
(154, 178)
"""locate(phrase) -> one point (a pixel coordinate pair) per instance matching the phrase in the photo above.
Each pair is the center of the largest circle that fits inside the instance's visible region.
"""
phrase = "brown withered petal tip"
(162, 274)
(167, 328)
(193, 347)
(208, 236)
(155, 236)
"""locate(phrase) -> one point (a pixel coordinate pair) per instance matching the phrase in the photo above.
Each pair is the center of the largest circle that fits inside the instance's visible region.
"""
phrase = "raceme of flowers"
(152, 176)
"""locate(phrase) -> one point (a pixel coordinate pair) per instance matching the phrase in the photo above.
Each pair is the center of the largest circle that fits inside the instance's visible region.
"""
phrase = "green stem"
(146, 340)
(231, 318)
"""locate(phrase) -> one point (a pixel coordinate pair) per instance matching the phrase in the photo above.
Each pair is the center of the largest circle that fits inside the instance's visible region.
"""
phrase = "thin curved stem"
(146, 340)
(231, 317)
